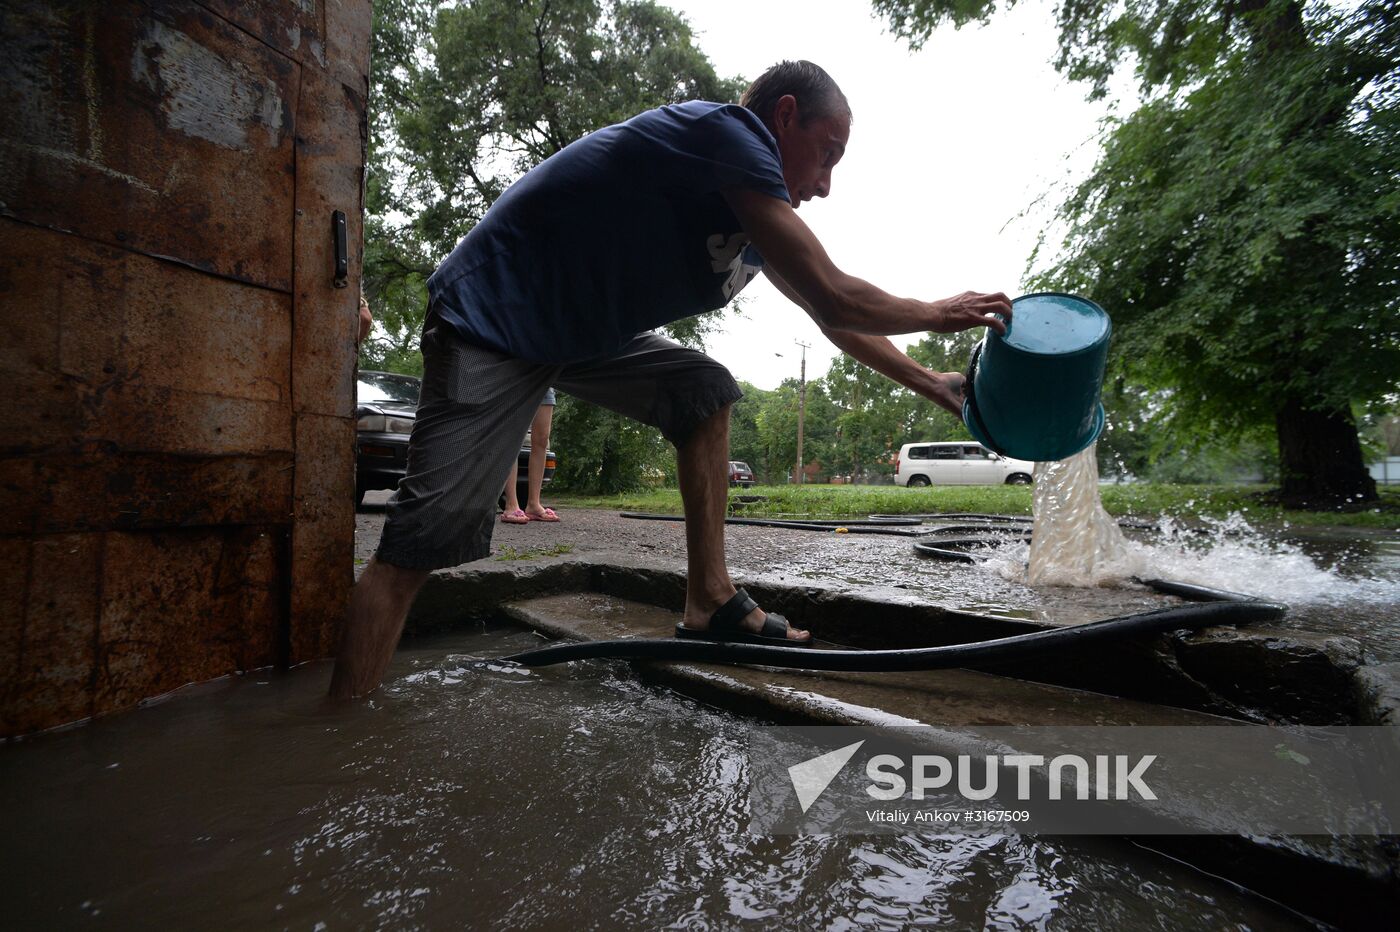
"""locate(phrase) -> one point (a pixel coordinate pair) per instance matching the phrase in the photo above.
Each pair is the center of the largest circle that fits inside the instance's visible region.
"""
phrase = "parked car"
(740, 474)
(962, 463)
(385, 406)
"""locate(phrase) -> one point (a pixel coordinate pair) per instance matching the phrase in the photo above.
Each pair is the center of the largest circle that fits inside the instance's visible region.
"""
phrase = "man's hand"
(947, 391)
(972, 309)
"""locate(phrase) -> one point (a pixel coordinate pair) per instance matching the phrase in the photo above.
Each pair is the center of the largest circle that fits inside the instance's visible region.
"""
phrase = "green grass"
(510, 553)
(1143, 501)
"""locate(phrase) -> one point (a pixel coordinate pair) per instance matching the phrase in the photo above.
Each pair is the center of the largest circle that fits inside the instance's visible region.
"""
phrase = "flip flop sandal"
(724, 626)
(548, 516)
(515, 517)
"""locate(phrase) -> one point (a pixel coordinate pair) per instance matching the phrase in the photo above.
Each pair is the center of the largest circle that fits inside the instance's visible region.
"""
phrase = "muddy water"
(468, 795)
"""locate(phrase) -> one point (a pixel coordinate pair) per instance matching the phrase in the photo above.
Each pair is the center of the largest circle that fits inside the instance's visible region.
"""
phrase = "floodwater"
(1080, 566)
(1345, 584)
(1076, 543)
(470, 794)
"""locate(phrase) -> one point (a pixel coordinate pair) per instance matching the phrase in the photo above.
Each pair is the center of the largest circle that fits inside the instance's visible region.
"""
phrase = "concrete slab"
(1361, 875)
(1378, 689)
(930, 697)
(1252, 674)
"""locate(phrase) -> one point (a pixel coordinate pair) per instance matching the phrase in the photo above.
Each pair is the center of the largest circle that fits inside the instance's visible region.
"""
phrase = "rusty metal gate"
(177, 363)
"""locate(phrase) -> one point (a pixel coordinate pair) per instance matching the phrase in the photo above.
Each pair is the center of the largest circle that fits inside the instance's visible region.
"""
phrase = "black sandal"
(724, 626)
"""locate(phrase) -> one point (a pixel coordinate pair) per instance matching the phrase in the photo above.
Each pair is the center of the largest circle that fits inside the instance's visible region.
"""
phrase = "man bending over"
(634, 226)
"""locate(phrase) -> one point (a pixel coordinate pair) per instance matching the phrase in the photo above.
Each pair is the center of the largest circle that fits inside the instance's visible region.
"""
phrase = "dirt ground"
(750, 549)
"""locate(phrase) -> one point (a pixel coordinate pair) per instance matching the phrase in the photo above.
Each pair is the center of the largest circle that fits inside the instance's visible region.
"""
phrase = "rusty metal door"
(176, 446)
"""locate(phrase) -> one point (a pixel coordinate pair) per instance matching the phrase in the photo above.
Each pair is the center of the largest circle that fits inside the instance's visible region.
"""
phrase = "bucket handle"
(970, 392)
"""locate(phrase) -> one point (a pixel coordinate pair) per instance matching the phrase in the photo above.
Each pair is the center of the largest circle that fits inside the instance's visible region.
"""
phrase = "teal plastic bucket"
(1033, 394)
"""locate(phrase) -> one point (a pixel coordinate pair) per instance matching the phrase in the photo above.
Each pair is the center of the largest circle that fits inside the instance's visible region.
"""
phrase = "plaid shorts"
(475, 407)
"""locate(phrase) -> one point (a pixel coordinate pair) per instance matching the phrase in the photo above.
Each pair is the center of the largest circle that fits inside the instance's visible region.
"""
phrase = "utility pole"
(801, 408)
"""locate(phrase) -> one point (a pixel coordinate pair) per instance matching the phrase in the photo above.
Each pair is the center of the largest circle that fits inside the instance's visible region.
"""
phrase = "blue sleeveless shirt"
(620, 232)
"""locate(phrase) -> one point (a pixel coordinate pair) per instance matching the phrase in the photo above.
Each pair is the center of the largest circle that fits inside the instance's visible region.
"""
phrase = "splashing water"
(1074, 541)
(1230, 553)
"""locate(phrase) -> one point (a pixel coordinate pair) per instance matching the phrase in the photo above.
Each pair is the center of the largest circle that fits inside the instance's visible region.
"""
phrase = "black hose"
(958, 515)
(855, 526)
(1194, 593)
(1017, 529)
(1128, 523)
(1221, 608)
(877, 524)
(947, 548)
(874, 520)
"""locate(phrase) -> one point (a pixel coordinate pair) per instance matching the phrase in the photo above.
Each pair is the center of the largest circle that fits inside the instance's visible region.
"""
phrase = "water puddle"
(475, 794)
(1334, 581)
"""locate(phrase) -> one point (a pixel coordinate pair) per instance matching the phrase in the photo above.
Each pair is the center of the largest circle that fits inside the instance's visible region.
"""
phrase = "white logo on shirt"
(728, 255)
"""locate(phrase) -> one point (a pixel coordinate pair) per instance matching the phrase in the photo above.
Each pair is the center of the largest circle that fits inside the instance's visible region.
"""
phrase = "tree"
(872, 419)
(496, 86)
(776, 423)
(1243, 224)
(604, 453)
(745, 442)
(396, 264)
(949, 352)
(467, 97)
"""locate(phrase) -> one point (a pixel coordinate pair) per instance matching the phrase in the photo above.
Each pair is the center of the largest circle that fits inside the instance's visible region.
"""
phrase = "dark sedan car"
(740, 474)
(385, 406)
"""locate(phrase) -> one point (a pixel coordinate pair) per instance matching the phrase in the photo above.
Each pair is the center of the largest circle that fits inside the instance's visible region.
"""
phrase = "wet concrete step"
(1246, 673)
(1339, 879)
(934, 697)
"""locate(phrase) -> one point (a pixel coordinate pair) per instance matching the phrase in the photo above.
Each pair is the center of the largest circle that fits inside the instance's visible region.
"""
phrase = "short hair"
(818, 97)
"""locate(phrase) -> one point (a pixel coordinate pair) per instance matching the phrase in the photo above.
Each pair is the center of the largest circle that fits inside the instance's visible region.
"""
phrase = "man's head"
(809, 116)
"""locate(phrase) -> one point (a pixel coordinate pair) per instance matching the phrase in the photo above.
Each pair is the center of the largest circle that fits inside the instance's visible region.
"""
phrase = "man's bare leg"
(379, 603)
(702, 468)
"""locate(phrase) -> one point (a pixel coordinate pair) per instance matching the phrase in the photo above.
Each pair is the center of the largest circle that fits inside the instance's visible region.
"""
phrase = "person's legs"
(474, 408)
(379, 604)
(512, 513)
(702, 464)
(687, 396)
(512, 497)
(539, 449)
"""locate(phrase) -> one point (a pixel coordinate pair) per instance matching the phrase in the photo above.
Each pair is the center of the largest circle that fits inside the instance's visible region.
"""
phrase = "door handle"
(342, 250)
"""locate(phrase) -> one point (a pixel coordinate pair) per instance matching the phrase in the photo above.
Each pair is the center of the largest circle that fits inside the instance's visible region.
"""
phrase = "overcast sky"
(948, 146)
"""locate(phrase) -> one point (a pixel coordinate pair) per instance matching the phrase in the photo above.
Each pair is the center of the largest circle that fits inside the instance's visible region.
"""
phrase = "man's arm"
(366, 321)
(944, 388)
(841, 302)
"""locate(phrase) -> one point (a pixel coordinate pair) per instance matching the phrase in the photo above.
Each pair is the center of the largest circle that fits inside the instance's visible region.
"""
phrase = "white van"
(963, 463)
